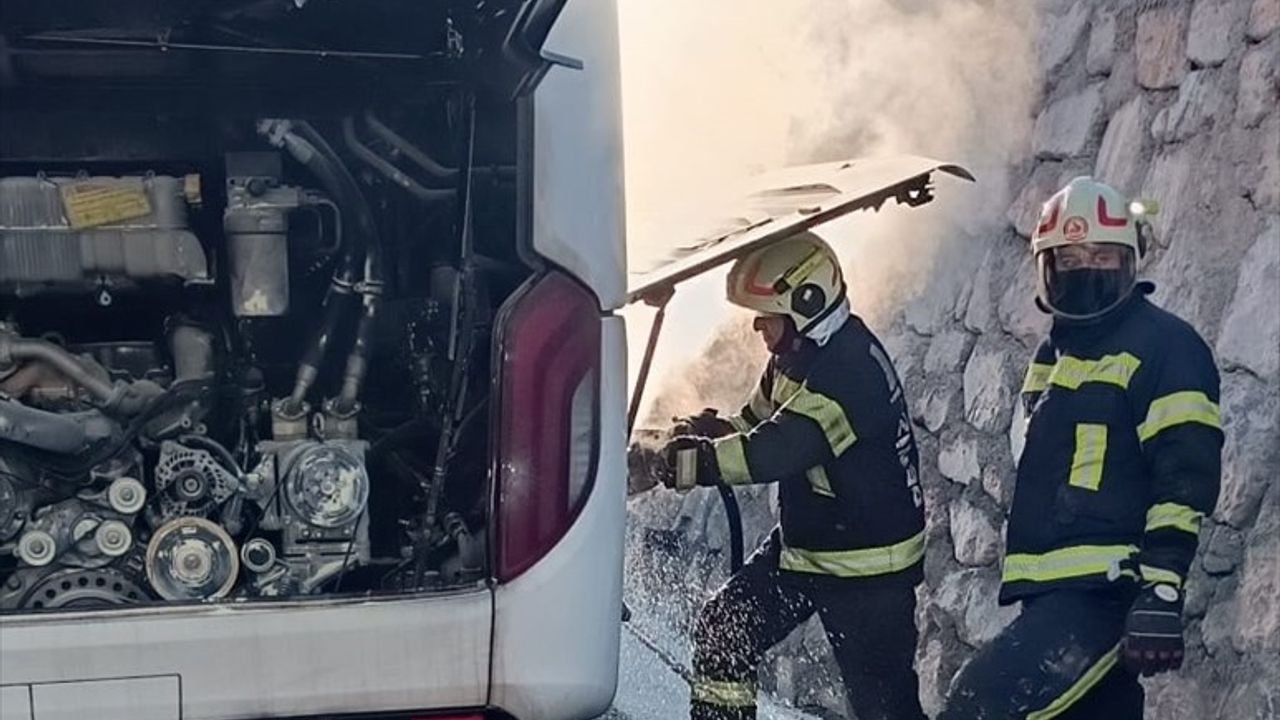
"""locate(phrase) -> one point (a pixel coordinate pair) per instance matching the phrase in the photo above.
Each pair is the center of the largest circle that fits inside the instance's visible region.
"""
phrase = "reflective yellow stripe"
(731, 457)
(1188, 406)
(760, 405)
(1080, 688)
(1070, 372)
(829, 416)
(819, 481)
(863, 562)
(1069, 562)
(739, 424)
(797, 274)
(1091, 449)
(1160, 575)
(1174, 515)
(784, 388)
(724, 693)
(1037, 378)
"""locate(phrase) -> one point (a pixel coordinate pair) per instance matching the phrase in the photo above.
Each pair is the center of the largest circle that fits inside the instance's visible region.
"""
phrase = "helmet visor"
(1086, 280)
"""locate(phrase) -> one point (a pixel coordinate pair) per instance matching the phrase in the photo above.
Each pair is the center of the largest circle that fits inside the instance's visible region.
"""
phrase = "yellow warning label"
(90, 204)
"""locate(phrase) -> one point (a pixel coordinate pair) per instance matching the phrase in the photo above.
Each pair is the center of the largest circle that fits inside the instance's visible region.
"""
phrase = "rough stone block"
(1220, 621)
(1259, 83)
(1250, 335)
(1067, 125)
(998, 482)
(1217, 27)
(974, 534)
(1202, 103)
(1264, 18)
(1250, 417)
(1161, 46)
(958, 461)
(969, 597)
(1024, 213)
(1059, 35)
(1017, 310)
(1257, 627)
(1102, 43)
(988, 387)
(946, 352)
(1175, 697)
(1262, 181)
(1255, 700)
(933, 407)
(1224, 550)
(1126, 146)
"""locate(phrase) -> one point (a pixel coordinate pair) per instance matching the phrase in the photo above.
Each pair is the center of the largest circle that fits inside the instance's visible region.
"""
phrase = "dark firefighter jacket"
(1122, 455)
(830, 424)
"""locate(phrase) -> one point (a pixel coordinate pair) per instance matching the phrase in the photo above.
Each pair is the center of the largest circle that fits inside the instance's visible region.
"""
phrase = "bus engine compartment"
(249, 274)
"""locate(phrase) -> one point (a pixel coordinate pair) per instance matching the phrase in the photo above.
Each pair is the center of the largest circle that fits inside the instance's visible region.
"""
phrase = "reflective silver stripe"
(1174, 515)
(731, 457)
(1091, 450)
(724, 693)
(829, 416)
(686, 469)
(819, 482)
(1066, 563)
(863, 562)
(1188, 406)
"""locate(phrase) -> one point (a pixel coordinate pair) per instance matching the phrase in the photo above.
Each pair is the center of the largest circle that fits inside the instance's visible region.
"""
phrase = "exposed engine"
(222, 394)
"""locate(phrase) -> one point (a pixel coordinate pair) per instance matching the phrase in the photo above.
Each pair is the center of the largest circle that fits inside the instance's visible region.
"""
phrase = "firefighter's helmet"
(1079, 220)
(798, 278)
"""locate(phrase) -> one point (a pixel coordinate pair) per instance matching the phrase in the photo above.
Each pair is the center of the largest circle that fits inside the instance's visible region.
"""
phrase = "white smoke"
(714, 90)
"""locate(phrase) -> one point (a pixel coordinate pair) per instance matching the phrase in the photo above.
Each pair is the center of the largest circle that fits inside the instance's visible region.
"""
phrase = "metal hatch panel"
(782, 203)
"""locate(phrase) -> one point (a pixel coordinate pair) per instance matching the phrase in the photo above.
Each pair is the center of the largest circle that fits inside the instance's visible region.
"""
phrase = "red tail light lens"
(547, 389)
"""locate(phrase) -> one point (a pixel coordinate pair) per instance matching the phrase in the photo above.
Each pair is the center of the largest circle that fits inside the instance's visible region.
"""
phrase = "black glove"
(692, 462)
(705, 424)
(1153, 631)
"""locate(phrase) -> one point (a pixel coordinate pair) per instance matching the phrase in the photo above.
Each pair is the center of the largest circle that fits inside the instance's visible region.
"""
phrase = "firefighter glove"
(707, 423)
(691, 461)
(1153, 631)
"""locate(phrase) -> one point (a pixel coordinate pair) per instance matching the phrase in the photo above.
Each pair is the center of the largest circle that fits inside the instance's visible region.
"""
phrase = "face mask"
(1087, 292)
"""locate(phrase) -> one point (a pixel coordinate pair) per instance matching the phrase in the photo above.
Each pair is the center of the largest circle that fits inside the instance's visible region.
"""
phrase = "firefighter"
(1120, 462)
(829, 424)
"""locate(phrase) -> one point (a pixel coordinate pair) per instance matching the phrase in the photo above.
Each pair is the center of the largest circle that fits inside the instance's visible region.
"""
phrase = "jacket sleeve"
(810, 428)
(1180, 431)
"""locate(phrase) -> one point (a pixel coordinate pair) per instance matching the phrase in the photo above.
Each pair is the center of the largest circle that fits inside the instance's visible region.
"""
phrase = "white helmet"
(798, 277)
(1082, 216)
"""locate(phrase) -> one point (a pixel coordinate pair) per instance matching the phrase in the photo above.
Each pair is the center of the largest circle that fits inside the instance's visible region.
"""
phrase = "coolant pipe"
(332, 310)
(391, 172)
(65, 433)
(411, 151)
(358, 359)
(15, 349)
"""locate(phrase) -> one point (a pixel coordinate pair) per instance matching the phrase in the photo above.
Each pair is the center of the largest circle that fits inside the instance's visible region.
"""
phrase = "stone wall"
(1174, 100)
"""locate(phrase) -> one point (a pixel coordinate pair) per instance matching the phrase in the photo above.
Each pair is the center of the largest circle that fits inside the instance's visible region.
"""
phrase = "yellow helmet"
(798, 277)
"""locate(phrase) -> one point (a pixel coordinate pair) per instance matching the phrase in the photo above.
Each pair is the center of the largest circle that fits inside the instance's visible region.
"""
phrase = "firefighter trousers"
(870, 624)
(1058, 659)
